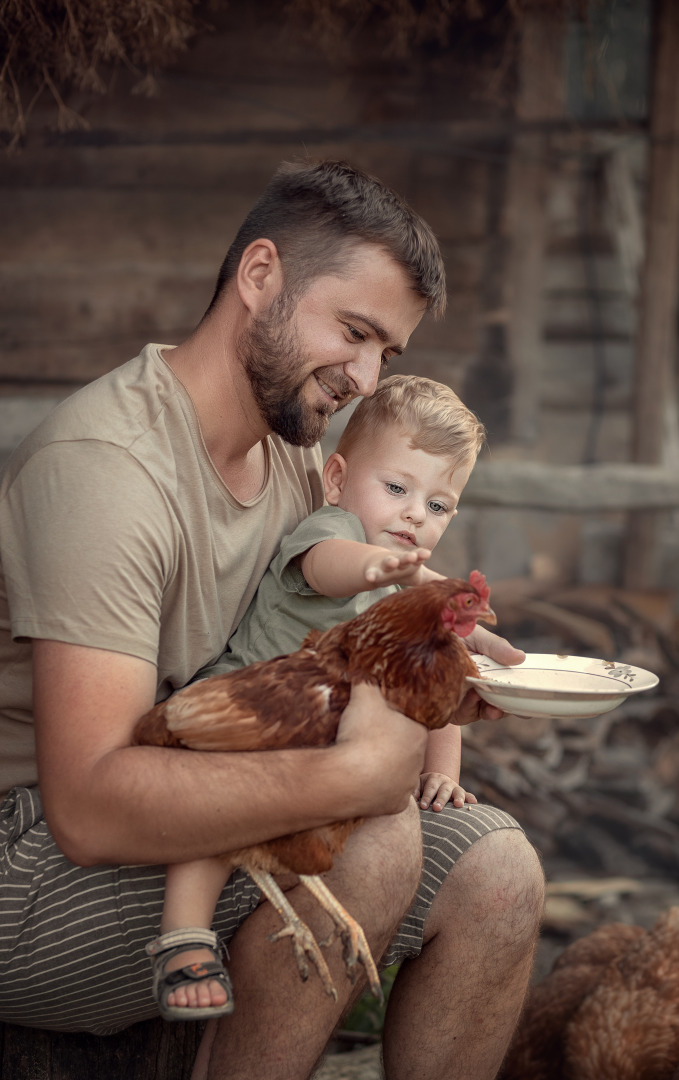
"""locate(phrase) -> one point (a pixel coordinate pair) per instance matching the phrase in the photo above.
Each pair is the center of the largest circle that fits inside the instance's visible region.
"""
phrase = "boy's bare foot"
(201, 994)
(190, 981)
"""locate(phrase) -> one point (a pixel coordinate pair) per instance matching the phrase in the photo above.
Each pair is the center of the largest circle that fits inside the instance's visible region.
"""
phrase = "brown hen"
(408, 645)
(609, 1010)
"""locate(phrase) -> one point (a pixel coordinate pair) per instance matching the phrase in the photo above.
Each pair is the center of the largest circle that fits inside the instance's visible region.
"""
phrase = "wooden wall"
(112, 235)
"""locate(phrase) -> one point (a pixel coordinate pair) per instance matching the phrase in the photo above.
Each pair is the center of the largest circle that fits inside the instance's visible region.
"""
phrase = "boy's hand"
(383, 568)
(436, 789)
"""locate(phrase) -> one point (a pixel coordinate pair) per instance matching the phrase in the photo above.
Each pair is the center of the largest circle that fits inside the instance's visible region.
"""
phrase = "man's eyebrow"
(378, 329)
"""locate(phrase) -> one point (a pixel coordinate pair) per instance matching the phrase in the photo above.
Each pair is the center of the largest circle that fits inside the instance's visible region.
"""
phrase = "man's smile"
(339, 397)
(328, 389)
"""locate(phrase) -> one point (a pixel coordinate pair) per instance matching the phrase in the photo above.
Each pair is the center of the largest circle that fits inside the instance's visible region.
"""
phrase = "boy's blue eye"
(438, 508)
(395, 489)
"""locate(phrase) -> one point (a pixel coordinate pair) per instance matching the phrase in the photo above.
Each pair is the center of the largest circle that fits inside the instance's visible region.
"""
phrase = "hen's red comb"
(478, 582)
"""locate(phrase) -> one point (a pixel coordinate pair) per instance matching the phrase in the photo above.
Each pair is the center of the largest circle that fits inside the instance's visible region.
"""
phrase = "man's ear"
(334, 478)
(260, 275)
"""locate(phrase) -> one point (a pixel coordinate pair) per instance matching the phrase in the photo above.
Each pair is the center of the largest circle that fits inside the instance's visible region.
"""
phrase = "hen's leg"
(353, 939)
(303, 942)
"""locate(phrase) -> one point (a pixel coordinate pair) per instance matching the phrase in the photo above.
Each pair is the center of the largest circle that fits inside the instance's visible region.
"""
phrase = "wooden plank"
(152, 1050)
(570, 315)
(572, 488)
(625, 215)
(540, 96)
(567, 376)
(656, 348)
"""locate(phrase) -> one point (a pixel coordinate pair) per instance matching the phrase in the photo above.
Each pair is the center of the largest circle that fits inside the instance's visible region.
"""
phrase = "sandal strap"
(194, 973)
(180, 940)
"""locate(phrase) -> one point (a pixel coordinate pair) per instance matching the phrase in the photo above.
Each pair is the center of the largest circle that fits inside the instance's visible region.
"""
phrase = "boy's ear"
(334, 478)
(260, 275)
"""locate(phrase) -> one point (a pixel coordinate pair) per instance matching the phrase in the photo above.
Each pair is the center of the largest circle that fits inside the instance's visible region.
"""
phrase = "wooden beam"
(150, 1050)
(656, 343)
(568, 489)
(539, 97)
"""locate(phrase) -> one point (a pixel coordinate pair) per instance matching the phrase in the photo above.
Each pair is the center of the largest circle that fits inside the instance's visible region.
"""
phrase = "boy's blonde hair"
(429, 412)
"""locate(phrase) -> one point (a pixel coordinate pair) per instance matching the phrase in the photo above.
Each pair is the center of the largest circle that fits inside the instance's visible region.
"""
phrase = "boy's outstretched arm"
(345, 567)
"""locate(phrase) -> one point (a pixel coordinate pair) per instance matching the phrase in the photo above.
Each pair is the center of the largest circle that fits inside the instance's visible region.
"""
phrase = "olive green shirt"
(286, 608)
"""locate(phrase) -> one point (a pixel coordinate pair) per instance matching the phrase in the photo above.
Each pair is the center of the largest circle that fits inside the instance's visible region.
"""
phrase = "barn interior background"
(539, 138)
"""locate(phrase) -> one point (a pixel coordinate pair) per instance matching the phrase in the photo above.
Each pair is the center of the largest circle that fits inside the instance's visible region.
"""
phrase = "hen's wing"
(432, 685)
(537, 1049)
(628, 1027)
(272, 705)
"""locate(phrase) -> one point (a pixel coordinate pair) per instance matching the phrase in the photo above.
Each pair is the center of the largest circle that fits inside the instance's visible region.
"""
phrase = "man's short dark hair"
(316, 212)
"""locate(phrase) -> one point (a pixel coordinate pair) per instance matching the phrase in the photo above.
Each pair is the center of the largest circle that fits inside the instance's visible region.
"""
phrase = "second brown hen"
(609, 1010)
(408, 645)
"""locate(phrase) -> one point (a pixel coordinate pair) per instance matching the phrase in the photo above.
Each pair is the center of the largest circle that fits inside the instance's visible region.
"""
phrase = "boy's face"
(404, 498)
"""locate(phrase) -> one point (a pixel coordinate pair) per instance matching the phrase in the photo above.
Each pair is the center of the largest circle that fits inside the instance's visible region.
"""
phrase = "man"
(135, 525)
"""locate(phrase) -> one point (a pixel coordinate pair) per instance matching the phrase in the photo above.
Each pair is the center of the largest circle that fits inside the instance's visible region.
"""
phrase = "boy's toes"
(178, 998)
(208, 993)
(192, 978)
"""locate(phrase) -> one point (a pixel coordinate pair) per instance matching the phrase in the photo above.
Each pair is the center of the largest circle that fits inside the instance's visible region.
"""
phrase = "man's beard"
(270, 353)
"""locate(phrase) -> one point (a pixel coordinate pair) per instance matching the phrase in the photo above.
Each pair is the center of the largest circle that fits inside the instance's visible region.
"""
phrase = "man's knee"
(503, 870)
(497, 886)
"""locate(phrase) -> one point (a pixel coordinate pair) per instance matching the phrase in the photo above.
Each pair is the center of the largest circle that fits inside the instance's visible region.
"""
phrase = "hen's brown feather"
(608, 1011)
(399, 644)
(272, 705)
(402, 644)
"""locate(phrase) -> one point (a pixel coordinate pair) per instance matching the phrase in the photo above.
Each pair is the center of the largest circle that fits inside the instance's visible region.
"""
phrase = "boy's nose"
(414, 513)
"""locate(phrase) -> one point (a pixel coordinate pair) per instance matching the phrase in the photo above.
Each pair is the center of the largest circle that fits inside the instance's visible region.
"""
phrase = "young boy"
(391, 487)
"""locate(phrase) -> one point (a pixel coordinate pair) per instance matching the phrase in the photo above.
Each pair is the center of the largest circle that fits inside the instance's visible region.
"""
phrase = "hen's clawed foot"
(353, 939)
(303, 941)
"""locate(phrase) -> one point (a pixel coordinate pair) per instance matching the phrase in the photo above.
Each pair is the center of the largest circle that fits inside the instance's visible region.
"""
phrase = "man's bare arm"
(108, 801)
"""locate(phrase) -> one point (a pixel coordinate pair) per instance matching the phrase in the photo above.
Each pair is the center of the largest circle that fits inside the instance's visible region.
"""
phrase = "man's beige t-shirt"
(117, 532)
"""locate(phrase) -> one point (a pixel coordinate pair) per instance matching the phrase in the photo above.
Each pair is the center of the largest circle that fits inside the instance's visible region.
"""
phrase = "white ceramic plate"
(548, 684)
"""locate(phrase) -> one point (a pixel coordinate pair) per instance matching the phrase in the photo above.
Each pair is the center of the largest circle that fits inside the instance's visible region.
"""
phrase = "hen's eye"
(385, 362)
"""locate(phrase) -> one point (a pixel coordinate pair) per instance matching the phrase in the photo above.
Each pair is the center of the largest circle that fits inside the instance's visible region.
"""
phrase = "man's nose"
(364, 372)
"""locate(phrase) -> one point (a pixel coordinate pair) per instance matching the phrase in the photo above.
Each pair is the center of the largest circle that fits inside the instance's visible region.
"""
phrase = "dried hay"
(402, 26)
(62, 45)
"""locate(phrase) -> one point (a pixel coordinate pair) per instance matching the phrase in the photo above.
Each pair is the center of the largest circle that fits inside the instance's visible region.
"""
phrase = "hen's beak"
(488, 615)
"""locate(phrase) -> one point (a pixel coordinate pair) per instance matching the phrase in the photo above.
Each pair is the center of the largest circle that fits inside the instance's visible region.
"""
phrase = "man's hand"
(387, 751)
(485, 643)
(503, 652)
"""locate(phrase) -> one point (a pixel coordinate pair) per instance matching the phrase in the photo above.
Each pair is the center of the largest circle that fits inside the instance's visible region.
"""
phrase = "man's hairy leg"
(281, 1025)
(453, 1010)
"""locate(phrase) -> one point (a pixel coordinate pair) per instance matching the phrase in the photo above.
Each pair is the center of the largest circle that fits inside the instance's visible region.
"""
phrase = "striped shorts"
(72, 938)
